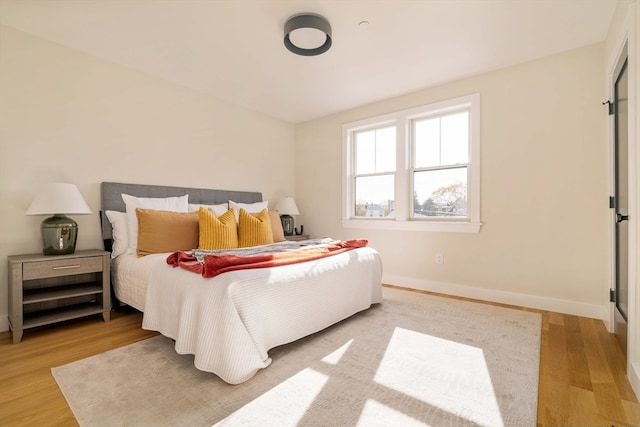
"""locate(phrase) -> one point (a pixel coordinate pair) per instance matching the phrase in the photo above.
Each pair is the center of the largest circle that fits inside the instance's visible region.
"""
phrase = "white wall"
(70, 117)
(544, 189)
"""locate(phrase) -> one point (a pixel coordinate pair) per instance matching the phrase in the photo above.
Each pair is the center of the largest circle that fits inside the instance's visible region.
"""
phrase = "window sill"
(442, 226)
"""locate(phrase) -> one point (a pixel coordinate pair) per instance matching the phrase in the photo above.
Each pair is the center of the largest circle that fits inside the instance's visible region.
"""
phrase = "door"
(621, 201)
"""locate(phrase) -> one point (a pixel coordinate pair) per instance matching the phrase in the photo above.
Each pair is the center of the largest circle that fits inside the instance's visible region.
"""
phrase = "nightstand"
(297, 237)
(45, 289)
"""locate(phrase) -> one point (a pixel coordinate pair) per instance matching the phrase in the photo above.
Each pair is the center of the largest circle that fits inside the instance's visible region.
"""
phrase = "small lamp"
(59, 232)
(287, 207)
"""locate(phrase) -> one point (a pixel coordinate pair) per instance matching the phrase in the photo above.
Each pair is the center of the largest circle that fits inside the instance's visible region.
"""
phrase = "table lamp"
(287, 207)
(59, 232)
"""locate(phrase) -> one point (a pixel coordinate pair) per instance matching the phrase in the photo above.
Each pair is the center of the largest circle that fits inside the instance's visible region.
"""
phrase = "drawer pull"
(66, 267)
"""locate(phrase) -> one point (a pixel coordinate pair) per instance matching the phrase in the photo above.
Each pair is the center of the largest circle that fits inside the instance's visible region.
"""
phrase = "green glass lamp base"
(59, 234)
(287, 224)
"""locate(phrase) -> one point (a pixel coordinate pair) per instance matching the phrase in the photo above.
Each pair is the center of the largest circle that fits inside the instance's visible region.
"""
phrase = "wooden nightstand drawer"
(60, 267)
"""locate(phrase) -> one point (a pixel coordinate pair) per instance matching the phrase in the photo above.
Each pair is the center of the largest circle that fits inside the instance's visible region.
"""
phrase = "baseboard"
(4, 323)
(513, 298)
(634, 378)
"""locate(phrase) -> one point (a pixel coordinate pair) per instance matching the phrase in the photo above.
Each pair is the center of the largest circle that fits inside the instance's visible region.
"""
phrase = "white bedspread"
(229, 322)
(130, 277)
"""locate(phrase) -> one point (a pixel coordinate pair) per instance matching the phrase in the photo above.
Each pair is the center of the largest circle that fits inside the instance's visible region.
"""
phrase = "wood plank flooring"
(582, 371)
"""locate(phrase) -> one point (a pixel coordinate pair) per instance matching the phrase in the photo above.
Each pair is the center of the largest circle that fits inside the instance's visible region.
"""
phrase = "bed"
(231, 321)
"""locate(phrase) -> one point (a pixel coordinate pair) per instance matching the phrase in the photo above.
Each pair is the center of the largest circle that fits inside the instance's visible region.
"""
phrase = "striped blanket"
(214, 263)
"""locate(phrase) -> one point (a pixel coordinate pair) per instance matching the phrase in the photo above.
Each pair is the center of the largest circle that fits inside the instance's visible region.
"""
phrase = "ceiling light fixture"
(307, 34)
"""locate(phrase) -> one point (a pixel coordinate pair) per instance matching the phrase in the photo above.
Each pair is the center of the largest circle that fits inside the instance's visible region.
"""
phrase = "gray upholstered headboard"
(111, 199)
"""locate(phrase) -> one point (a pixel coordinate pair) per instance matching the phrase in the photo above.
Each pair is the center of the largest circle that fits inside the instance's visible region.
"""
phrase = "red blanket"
(218, 264)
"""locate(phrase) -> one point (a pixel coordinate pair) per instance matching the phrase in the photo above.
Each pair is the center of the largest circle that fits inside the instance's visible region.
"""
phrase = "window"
(416, 169)
(375, 170)
(440, 145)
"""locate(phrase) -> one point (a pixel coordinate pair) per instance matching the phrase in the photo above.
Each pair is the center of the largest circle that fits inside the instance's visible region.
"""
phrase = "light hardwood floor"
(582, 371)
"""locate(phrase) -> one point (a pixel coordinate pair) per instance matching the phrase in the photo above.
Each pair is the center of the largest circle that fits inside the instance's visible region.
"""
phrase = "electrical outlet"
(439, 258)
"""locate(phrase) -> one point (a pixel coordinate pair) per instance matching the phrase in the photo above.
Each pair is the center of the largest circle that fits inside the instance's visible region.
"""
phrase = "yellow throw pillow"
(254, 229)
(276, 226)
(164, 231)
(217, 233)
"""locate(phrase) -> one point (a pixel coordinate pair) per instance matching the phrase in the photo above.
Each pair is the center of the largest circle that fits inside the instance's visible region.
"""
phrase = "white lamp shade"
(287, 206)
(57, 198)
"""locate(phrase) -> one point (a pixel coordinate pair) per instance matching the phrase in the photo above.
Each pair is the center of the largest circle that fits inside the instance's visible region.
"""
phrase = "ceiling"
(233, 49)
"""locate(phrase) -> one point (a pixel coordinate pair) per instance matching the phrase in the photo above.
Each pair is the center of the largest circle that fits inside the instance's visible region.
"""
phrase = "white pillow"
(119, 233)
(249, 207)
(217, 210)
(171, 204)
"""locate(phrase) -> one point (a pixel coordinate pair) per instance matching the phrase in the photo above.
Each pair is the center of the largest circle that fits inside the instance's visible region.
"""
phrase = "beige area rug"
(412, 360)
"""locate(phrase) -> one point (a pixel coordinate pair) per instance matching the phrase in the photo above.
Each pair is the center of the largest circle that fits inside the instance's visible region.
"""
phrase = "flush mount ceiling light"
(307, 34)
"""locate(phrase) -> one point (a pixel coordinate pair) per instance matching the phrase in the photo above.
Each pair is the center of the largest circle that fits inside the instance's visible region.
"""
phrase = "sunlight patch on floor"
(299, 391)
(335, 357)
(375, 411)
(458, 380)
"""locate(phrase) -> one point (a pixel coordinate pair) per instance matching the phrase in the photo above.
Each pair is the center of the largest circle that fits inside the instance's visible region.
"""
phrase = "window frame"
(403, 203)
(355, 173)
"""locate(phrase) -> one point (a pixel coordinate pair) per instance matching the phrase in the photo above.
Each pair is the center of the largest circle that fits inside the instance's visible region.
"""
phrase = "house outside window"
(416, 169)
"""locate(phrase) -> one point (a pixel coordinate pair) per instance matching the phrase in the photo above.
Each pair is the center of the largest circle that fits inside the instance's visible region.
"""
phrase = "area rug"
(413, 359)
